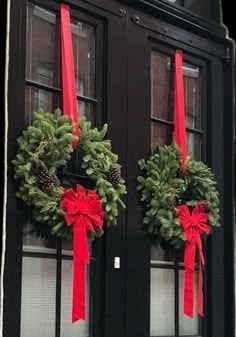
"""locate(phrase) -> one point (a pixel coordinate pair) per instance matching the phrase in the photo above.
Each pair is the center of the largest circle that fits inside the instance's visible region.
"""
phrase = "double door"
(124, 75)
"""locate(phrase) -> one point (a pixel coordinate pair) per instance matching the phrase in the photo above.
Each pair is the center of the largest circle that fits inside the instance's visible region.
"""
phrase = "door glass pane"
(83, 39)
(80, 328)
(194, 145)
(192, 91)
(42, 46)
(36, 99)
(37, 237)
(162, 302)
(160, 135)
(162, 90)
(87, 110)
(159, 255)
(161, 87)
(38, 299)
(188, 326)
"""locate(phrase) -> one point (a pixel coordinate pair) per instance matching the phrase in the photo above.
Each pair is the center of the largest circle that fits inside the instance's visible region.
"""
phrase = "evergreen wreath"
(164, 185)
(45, 147)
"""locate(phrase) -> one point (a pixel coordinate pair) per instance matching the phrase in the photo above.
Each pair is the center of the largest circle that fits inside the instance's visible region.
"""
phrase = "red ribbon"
(68, 72)
(83, 210)
(194, 225)
(179, 132)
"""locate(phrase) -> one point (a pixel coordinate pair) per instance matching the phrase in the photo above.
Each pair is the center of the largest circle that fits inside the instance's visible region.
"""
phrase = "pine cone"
(207, 205)
(45, 181)
(114, 175)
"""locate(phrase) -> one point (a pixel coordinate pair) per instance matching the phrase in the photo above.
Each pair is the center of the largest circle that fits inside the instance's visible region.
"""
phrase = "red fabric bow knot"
(194, 225)
(84, 210)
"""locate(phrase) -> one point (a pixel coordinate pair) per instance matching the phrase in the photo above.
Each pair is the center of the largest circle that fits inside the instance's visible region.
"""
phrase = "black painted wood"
(202, 25)
(116, 116)
(15, 208)
(139, 137)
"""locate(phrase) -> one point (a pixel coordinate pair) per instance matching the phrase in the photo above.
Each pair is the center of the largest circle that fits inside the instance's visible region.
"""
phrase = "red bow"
(84, 210)
(194, 225)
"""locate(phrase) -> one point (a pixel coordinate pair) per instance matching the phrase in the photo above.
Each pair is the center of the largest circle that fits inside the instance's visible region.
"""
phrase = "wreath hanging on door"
(45, 148)
(169, 192)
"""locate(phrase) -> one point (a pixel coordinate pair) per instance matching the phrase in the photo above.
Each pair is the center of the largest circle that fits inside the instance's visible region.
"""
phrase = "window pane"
(87, 110)
(188, 326)
(80, 328)
(194, 145)
(39, 99)
(162, 255)
(160, 135)
(42, 50)
(161, 87)
(83, 38)
(38, 297)
(192, 90)
(162, 302)
(37, 237)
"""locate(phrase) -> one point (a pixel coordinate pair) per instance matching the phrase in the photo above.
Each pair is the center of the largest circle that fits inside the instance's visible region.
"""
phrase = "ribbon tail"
(200, 291)
(189, 258)
(188, 292)
(81, 258)
(78, 307)
(200, 277)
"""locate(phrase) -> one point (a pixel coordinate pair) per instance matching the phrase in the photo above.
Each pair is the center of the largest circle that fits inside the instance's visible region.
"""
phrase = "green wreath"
(164, 186)
(45, 148)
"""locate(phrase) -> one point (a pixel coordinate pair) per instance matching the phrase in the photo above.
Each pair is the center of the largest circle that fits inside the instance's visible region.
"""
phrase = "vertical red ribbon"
(68, 72)
(180, 140)
(179, 116)
(70, 108)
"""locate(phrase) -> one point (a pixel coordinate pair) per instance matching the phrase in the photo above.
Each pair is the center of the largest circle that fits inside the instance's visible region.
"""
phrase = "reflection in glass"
(36, 99)
(192, 92)
(161, 87)
(87, 110)
(162, 302)
(38, 299)
(160, 135)
(80, 328)
(37, 236)
(194, 145)
(162, 255)
(42, 49)
(83, 39)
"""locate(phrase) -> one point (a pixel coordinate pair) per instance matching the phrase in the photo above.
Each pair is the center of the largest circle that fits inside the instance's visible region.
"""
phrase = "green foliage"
(163, 186)
(46, 145)
(98, 158)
